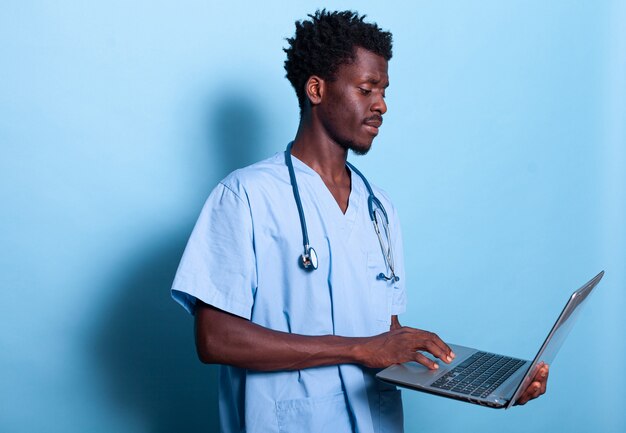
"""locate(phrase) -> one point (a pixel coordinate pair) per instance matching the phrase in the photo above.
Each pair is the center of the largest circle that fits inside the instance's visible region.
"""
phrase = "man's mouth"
(373, 123)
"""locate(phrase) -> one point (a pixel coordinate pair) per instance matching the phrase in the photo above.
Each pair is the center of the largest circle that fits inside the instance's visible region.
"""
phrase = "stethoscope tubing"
(309, 257)
(296, 195)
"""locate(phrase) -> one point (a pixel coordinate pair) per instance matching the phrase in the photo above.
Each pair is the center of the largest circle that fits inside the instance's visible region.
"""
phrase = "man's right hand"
(402, 345)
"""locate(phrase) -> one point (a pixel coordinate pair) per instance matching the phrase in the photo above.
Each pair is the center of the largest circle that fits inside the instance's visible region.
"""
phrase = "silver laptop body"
(496, 392)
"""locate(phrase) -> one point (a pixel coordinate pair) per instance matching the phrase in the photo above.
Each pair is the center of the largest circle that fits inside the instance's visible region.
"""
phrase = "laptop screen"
(559, 332)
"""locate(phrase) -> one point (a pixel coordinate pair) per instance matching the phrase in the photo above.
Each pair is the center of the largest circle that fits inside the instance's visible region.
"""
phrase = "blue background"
(504, 149)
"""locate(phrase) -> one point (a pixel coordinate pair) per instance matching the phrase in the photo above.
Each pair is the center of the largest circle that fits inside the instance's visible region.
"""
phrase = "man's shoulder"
(266, 173)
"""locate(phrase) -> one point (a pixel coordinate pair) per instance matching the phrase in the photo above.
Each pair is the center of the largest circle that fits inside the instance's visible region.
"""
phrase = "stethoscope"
(378, 215)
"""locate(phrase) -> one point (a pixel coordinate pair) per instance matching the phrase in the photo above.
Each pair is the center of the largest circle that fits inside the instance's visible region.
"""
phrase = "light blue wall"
(504, 149)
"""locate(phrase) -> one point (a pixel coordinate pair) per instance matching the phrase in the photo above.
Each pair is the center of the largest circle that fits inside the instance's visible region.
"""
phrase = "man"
(301, 332)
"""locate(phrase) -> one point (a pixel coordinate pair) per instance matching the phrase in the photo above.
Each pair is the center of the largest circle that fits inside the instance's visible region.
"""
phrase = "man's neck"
(317, 150)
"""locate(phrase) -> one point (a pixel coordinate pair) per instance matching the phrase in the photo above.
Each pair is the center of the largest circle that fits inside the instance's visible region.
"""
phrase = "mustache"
(374, 118)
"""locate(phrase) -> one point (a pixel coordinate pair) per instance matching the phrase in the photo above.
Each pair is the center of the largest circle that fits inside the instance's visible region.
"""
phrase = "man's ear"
(314, 89)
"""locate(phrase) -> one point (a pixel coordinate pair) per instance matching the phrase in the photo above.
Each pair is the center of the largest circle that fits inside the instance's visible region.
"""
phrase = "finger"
(544, 379)
(541, 377)
(527, 394)
(539, 369)
(420, 334)
(431, 347)
(442, 345)
(418, 357)
(431, 342)
(534, 390)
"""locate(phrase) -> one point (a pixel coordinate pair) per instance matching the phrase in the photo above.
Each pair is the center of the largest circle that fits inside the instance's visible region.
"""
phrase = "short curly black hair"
(327, 41)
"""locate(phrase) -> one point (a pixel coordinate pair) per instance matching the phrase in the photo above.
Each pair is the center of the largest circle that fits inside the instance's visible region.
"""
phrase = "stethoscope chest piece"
(308, 260)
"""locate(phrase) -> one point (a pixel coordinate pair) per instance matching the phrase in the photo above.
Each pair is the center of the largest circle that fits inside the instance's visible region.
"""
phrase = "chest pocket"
(380, 290)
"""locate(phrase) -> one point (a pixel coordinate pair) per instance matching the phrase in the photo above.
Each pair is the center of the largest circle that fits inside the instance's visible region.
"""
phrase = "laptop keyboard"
(479, 375)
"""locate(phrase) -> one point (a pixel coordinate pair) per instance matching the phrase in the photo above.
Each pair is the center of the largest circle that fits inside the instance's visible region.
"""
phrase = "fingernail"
(435, 366)
(448, 358)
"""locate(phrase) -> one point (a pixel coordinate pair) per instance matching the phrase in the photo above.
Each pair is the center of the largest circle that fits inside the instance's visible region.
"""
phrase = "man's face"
(353, 104)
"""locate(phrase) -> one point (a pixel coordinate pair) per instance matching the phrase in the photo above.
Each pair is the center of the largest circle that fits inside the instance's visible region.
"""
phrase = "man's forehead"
(375, 80)
(366, 66)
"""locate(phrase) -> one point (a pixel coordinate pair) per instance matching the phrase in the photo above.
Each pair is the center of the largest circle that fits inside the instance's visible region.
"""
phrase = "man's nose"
(379, 105)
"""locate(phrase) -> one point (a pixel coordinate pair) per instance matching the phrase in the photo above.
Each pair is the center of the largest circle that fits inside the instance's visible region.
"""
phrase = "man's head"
(328, 40)
(337, 64)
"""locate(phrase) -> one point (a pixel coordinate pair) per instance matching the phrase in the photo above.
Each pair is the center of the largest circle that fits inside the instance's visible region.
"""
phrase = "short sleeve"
(218, 265)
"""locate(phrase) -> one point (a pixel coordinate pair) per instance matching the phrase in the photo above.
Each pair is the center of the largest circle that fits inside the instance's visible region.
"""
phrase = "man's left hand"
(537, 386)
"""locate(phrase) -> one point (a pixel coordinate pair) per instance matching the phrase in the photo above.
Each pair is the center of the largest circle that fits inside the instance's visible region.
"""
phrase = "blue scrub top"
(242, 257)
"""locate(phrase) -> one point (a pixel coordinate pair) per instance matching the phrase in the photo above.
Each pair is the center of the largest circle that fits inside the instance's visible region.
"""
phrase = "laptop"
(485, 378)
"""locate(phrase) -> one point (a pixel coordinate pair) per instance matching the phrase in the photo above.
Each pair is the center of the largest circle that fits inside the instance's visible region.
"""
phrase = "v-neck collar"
(354, 199)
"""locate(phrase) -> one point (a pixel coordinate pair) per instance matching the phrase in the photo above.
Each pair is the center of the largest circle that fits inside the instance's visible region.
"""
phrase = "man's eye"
(364, 91)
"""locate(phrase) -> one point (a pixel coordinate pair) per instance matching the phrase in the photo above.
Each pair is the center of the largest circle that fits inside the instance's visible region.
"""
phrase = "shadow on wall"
(144, 342)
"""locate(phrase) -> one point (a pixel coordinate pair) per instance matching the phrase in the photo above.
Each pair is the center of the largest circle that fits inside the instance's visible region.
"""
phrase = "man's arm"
(222, 338)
